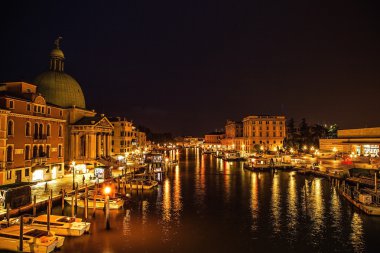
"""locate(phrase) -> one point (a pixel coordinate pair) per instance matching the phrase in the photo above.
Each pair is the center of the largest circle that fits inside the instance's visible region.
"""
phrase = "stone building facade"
(31, 136)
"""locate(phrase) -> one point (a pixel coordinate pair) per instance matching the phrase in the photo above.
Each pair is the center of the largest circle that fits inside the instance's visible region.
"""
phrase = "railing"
(39, 160)
(40, 137)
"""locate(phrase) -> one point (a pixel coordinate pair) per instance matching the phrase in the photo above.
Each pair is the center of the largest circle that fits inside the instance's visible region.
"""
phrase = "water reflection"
(292, 206)
(166, 210)
(357, 233)
(177, 198)
(317, 208)
(275, 203)
(208, 205)
(254, 201)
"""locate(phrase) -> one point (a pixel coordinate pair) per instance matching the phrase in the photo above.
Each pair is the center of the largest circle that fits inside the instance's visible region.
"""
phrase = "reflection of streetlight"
(73, 168)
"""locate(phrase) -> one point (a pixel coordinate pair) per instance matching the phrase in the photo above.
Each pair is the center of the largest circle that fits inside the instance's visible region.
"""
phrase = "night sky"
(187, 66)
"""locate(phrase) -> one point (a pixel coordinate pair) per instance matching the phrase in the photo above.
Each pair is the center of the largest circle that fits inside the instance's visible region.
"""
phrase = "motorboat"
(365, 199)
(114, 203)
(258, 164)
(145, 184)
(60, 225)
(232, 156)
(34, 240)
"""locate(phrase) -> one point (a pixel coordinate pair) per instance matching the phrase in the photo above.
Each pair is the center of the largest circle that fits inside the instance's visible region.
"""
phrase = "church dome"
(58, 87)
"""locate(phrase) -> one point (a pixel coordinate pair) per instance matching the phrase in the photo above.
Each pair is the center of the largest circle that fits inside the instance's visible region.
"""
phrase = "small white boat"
(60, 225)
(34, 240)
(145, 184)
(115, 203)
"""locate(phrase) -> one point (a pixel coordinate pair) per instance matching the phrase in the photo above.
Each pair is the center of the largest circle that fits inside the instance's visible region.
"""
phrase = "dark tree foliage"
(307, 135)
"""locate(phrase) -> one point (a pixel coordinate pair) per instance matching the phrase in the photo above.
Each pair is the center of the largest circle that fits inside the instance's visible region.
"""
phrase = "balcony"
(40, 138)
(39, 160)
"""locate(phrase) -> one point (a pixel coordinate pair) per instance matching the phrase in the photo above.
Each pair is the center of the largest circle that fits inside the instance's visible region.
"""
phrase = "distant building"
(361, 141)
(213, 139)
(234, 135)
(266, 132)
(122, 136)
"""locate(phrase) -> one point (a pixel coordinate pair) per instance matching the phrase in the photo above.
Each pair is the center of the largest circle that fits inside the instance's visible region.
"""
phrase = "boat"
(115, 203)
(232, 156)
(60, 225)
(365, 199)
(34, 240)
(258, 164)
(146, 184)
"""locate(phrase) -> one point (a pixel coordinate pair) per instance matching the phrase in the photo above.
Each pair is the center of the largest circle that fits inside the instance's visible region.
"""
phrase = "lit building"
(264, 132)
(361, 141)
(213, 139)
(31, 135)
(122, 136)
(87, 136)
(234, 135)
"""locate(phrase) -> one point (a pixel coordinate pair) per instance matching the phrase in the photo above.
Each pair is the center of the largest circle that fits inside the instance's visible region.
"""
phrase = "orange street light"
(107, 190)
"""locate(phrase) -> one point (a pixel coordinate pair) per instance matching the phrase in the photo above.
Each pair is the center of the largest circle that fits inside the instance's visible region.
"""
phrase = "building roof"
(58, 87)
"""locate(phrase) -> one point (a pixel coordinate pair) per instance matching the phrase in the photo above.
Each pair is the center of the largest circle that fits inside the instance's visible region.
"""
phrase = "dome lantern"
(57, 57)
(58, 87)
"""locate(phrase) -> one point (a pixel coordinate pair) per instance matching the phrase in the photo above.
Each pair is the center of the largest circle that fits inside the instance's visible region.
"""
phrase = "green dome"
(60, 89)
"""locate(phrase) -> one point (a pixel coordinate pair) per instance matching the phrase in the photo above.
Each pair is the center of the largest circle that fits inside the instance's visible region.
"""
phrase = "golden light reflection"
(276, 208)
(126, 224)
(166, 204)
(317, 211)
(144, 209)
(292, 204)
(200, 184)
(177, 198)
(336, 211)
(254, 201)
(227, 181)
(357, 233)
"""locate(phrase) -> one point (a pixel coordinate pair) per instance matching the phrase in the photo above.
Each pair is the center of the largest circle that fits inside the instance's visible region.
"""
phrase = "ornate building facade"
(31, 136)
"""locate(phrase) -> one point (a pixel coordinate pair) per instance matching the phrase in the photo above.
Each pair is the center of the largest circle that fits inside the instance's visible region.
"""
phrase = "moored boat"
(257, 164)
(60, 225)
(34, 240)
(365, 199)
(115, 203)
(145, 184)
(232, 156)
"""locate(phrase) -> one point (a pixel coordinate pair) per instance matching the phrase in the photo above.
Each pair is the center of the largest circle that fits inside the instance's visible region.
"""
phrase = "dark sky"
(186, 66)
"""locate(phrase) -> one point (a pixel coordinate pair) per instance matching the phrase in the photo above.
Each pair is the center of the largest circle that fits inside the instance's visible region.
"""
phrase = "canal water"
(208, 205)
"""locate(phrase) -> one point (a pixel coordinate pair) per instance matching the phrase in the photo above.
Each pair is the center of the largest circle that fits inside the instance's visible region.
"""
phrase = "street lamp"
(73, 168)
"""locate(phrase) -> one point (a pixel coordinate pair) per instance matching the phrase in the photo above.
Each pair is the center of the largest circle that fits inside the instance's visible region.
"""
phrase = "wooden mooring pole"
(108, 225)
(34, 205)
(8, 214)
(21, 245)
(86, 203)
(48, 214)
(63, 201)
(94, 203)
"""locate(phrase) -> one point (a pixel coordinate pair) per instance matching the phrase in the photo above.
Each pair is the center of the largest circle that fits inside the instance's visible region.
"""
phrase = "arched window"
(47, 151)
(27, 152)
(27, 129)
(41, 131)
(9, 154)
(35, 152)
(60, 131)
(36, 130)
(41, 151)
(48, 130)
(10, 127)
